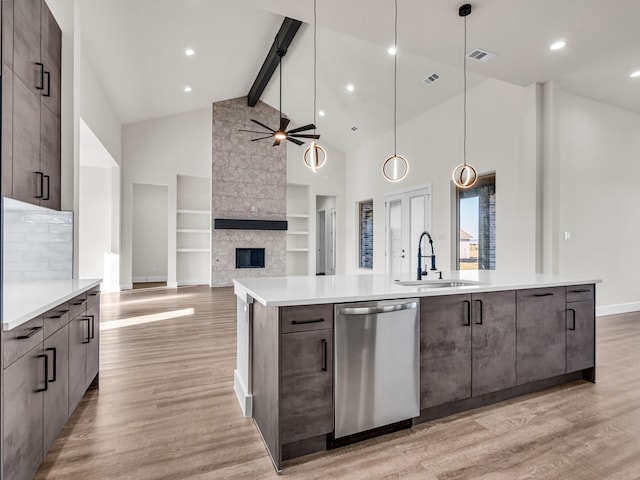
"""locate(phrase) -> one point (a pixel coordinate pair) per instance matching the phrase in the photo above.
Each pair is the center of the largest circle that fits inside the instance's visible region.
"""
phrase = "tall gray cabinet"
(31, 106)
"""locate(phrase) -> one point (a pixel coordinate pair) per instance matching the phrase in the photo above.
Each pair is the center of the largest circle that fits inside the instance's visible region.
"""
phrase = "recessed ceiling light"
(189, 51)
(187, 89)
(558, 45)
(321, 113)
(350, 87)
(392, 50)
(635, 74)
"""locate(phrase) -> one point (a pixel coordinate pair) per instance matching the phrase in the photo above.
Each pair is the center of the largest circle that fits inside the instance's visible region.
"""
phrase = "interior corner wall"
(155, 152)
(432, 143)
(330, 180)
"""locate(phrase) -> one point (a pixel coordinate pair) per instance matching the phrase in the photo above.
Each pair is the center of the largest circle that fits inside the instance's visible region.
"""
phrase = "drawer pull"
(324, 355)
(479, 303)
(55, 362)
(46, 373)
(304, 322)
(93, 327)
(88, 320)
(60, 314)
(79, 302)
(586, 290)
(467, 314)
(573, 327)
(548, 294)
(93, 294)
(31, 333)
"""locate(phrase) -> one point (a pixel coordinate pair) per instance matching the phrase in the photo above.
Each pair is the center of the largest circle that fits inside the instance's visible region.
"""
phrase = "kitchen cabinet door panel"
(93, 347)
(50, 155)
(7, 131)
(26, 42)
(445, 349)
(7, 32)
(56, 398)
(493, 342)
(51, 51)
(580, 335)
(541, 337)
(78, 340)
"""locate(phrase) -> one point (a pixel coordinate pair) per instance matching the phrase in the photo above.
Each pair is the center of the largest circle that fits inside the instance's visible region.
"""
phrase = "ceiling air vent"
(434, 77)
(355, 129)
(480, 55)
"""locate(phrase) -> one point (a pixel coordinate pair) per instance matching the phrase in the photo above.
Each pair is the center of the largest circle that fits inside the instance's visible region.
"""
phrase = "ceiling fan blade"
(297, 142)
(302, 135)
(284, 122)
(251, 131)
(261, 138)
(276, 143)
(311, 126)
(262, 125)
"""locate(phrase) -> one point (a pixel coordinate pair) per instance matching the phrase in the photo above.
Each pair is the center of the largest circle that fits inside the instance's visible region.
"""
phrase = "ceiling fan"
(281, 133)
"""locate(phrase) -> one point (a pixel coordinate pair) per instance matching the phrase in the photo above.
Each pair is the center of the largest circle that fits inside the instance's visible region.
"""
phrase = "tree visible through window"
(476, 222)
(366, 234)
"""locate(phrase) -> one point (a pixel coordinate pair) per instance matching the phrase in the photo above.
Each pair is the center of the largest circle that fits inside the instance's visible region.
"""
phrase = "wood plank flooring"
(166, 410)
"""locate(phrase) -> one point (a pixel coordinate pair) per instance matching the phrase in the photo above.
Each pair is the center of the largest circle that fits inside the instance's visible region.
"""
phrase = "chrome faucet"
(420, 256)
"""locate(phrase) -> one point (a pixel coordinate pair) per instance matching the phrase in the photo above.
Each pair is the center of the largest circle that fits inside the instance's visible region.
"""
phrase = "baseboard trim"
(157, 278)
(616, 309)
(126, 286)
(246, 400)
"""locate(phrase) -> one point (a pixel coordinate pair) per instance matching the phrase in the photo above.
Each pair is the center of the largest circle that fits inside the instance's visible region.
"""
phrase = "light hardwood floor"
(166, 410)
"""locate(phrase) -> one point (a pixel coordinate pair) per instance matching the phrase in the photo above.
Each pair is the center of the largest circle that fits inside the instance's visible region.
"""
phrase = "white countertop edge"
(41, 300)
(407, 292)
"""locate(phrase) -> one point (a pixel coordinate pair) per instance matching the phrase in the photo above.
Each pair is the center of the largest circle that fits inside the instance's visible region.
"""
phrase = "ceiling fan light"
(280, 135)
(315, 156)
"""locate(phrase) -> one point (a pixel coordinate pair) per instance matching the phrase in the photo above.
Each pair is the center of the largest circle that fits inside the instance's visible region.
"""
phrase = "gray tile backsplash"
(38, 243)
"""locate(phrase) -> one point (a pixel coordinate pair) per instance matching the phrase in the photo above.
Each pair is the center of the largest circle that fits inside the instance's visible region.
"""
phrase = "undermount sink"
(444, 283)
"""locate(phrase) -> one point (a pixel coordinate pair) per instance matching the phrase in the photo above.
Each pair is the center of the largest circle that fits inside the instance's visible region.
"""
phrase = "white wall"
(432, 143)
(156, 152)
(95, 221)
(330, 180)
(595, 150)
(150, 233)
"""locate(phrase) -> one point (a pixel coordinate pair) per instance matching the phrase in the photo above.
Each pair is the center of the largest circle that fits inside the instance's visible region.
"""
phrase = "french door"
(408, 214)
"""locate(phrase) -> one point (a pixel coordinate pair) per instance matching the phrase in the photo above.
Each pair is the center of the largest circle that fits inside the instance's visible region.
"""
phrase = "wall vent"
(434, 77)
(355, 129)
(480, 55)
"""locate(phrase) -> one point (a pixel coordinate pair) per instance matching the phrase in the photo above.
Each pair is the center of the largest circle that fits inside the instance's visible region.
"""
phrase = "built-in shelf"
(299, 232)
(193, 227)
(192, 230)
(297, 249)
(195, 212)
(192, 250)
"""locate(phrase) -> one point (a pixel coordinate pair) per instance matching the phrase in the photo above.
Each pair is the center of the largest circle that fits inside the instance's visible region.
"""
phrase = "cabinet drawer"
(306, 317)
(78, 305)
(576, 293)
(20, 340)
(93, 296)
(56, 318)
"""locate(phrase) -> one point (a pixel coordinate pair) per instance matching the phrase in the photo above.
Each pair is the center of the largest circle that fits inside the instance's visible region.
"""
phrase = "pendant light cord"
(395, 83)
(315, 62)
(464, 69)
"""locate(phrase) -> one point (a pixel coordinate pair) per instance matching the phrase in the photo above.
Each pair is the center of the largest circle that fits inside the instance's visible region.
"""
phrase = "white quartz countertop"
(287, 291)
(22, 301)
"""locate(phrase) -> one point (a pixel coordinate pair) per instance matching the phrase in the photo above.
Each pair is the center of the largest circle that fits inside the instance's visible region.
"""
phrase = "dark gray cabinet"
(26, 42)
(93, 347)
(56, 397)
(541, 337)
(51, 56)
(23, 401)
(445, 349)
(580, 324)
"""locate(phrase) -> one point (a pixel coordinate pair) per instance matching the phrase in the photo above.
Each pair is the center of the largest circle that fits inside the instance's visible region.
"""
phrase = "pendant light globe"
(315, 156)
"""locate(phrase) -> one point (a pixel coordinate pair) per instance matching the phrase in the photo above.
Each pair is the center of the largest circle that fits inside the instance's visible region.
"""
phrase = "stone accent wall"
(249, 182)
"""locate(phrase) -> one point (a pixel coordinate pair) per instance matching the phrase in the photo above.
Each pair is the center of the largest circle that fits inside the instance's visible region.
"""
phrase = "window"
(476, 225)
(365, 223)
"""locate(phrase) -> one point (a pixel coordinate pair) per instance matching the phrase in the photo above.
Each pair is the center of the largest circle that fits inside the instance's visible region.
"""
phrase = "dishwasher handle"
(377, 309)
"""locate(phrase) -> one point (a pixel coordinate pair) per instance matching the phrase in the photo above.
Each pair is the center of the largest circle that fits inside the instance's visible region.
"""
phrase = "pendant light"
(464, 175)
(314, 156)
(396, 167)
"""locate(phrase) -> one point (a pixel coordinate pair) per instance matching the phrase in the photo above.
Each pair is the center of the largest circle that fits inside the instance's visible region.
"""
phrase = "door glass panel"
(395, 235)
(417, 226)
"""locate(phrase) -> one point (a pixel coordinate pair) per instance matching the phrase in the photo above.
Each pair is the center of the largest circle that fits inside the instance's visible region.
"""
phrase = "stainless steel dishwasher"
(377, 364)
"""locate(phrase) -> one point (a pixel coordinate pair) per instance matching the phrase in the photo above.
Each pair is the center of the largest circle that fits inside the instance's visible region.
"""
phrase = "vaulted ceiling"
(137, 48)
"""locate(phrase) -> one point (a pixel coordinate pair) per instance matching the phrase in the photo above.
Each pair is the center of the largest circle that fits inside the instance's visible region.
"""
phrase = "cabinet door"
(445, 349)
(7, 130)
(22, 442)
(56, 398)
(27, 185)
(493, 341)
(26, 43)
(540, 337)
(306, 395)
(580, 335)
(78, 340)
(51, 53)
(93, 347)
(7, 32)
(50, 163)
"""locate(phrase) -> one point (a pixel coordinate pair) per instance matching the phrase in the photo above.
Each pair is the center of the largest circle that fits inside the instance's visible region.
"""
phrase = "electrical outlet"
(567, 235)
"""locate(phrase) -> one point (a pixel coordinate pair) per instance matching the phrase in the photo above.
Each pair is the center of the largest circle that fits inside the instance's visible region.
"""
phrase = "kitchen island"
(483, 337)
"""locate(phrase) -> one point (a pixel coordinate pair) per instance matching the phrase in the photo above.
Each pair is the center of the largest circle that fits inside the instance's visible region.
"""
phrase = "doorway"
(150, 234)
(325, 235)
(408, 214)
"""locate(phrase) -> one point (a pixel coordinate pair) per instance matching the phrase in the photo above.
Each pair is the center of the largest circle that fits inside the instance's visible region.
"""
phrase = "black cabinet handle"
(479, 302)
(303, 322)
(467, 311)
(548, 294)
(31, 333)
(41, 184)
(41, 86)
(93, 327)
(46, 373)
(48, 179)
(55, 363)
(93, 294)
(48, 94)
(79, 302)
(60, 314)
(324, 355)
(573, 327)
(88, 320)
(585, 290)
